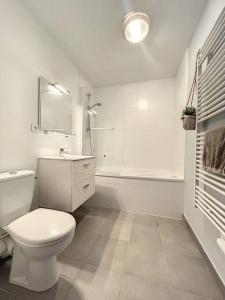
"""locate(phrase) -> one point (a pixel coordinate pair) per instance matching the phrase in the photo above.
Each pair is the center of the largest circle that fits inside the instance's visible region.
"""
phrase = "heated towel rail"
(209, 187)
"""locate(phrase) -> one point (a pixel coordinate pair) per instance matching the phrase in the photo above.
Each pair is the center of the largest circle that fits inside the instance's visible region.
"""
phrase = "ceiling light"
(136, 26)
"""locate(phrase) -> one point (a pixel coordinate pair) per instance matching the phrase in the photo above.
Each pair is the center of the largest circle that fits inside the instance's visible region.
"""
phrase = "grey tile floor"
(119, 256)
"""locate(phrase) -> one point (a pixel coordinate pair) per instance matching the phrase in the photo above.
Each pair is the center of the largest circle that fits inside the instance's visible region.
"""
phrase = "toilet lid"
(41, 226)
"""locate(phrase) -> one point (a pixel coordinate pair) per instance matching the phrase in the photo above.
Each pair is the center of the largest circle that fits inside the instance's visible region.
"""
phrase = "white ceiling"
(90, 33)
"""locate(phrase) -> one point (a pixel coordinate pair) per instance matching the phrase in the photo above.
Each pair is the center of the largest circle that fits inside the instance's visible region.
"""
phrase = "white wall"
(27, 52)
(204, 230)
(181, 99)
(144, 117)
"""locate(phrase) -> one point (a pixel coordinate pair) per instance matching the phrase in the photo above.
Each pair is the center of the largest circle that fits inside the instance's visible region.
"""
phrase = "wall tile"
(143, 115)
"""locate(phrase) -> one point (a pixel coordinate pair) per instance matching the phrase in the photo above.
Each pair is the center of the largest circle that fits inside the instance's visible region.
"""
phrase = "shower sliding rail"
(102, 128)
(210, 187)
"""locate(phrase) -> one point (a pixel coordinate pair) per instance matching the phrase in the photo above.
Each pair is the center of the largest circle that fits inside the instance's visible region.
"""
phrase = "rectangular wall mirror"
(55, 107)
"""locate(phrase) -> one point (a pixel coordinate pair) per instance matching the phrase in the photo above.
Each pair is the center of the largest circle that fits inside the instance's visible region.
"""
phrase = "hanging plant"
(189, 118)
(189, 113)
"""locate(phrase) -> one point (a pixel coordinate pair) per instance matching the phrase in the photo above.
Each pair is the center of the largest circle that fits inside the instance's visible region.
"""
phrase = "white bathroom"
(112, 150)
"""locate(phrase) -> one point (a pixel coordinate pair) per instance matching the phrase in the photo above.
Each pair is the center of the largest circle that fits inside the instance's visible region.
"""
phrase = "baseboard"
(207, 259)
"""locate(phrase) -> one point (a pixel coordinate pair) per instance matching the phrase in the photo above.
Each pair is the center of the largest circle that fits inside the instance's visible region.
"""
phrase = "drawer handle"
(86, 186)
(86, 165)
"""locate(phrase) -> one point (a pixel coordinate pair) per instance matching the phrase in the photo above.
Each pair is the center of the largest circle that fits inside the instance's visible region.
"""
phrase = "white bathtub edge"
(181, 180)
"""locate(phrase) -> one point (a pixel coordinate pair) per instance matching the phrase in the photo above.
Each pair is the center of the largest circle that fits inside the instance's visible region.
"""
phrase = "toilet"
(38, 236)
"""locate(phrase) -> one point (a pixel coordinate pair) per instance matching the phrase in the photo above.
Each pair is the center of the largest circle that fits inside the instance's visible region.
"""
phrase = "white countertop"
(66, 157)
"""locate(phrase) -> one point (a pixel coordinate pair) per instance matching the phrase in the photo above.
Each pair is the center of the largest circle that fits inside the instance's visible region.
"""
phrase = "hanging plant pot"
(189, 122)
(189, 113)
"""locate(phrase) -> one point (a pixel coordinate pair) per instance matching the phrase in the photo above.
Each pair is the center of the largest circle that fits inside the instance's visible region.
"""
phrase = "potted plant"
(189, 113)
(189, 118)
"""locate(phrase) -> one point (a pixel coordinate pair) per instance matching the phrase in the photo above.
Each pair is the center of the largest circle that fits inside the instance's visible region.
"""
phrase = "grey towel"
(214, 151)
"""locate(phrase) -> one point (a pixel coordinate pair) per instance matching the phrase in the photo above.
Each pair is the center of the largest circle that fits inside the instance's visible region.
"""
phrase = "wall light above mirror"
(57, 89)
(55, 107)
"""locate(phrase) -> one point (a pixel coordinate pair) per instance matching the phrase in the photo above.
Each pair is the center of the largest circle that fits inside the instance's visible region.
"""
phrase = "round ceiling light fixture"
(136, 26)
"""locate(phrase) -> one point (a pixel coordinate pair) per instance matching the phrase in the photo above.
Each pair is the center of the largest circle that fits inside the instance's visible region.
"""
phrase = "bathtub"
(158, 193)
(140, 174)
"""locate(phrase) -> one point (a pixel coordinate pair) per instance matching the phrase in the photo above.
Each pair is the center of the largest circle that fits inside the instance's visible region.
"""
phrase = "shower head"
(92, 112)
(92, 106)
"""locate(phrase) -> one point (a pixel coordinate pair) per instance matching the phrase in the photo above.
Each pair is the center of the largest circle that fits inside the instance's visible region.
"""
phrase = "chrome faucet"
(62, 151)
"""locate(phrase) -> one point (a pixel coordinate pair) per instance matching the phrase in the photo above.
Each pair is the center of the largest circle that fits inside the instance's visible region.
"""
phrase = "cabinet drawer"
(82, 170)
(82, 192)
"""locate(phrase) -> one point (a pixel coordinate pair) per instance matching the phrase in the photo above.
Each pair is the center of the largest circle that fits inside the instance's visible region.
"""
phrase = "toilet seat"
(41, 227)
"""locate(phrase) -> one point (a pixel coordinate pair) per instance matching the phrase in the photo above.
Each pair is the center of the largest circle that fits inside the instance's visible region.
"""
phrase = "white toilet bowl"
(39, 236)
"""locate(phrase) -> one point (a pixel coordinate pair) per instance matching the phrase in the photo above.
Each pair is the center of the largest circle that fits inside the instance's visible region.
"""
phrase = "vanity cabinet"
(65, 184)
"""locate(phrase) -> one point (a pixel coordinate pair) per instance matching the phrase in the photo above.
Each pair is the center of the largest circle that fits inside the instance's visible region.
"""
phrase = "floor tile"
(191, 274)
(79, 214)
(69, 268)
(146, 219)
(93, 283)
(109, 254)
(57, 292)
(80, 247)
(121, 216)
(90, 224)
(117, 230)
(176, 238)
(148, 264)
(5, 295)
(95, 211)
(180, 245)
(162, 221)
(181, 295)
(146, 236)
(136, 288)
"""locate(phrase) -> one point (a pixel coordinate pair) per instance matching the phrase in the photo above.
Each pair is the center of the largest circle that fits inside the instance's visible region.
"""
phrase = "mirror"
(55, 107)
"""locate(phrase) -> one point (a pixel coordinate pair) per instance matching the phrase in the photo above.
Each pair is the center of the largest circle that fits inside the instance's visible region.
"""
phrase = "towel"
(214, 151)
